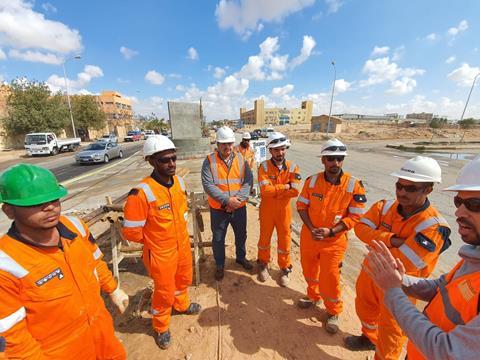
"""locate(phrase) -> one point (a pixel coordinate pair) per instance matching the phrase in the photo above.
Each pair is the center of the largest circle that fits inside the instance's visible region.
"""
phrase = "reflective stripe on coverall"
(455, 304)
(157, 217)
(425, 232)
(275, 209)
(50, 305)
(248, 154)
(227, 180)
(327, 205)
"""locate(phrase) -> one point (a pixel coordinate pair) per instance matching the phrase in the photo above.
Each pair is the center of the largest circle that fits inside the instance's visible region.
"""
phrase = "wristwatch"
(331, 233)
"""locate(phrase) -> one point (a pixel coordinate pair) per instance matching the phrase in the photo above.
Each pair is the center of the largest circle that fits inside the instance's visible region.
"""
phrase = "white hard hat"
(156, 144)
(225, 135)
(420, 169)
(246, 135)
(333, 147)
(469, 177)
(276, 139)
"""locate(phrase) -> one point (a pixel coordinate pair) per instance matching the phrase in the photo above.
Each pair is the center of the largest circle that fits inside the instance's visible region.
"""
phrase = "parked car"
(133, 135)
(101, 151)
(265, 132)
(254, 135)
(109, 138)
(149, 133)
(48, 144)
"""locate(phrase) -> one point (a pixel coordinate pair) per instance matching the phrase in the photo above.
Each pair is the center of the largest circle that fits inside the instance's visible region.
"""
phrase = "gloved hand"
(120, 299)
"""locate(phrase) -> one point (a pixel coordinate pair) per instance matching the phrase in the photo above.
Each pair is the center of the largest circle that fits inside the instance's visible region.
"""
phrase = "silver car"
(99, 152)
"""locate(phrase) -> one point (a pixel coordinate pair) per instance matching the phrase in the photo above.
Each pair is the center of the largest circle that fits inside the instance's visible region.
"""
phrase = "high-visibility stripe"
(311, 280)
(427, 223)
(97, 254)
(78, 225)
(213, 166)
(313, 180)
(355, 210)
(155, 312)
(351, 184)
(179, 292)
(303, 200)
(280, 251)
(9, 265)
(452, 313)
(412, 256)
(148, 192)
(329, 299)
(11, 320)
(388, 204)
(95, 273)
(264, 247)
(368, 222)
(264, 182)
(369, 326)
(133, 224)
(265, 165)
(294, 185)
(181, 183)
(292, 167)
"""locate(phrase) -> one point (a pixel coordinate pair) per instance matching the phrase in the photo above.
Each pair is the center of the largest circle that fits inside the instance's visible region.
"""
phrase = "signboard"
(260, 149)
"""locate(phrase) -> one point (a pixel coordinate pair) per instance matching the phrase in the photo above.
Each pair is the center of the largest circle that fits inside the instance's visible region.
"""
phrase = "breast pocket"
(47, 283)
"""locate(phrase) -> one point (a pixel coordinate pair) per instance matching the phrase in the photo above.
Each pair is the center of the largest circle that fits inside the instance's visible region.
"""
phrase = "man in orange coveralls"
(246, 150)
(279, 180)
(330, 204)
(51, 274)
(416, 234)
(156, 215)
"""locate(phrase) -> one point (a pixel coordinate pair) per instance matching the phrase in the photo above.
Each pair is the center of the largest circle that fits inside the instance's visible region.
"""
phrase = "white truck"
(47, 143)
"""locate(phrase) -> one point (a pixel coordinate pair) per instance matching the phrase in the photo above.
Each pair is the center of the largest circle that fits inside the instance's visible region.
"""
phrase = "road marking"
(78, 178)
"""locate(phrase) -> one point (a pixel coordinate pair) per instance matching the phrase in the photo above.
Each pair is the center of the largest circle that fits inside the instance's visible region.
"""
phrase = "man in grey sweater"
(449, 327)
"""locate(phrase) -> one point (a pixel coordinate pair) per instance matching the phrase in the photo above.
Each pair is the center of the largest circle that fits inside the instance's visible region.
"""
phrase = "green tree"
(466, 123)
(155, 124)
(87, 114)
(31, 107)
(438, 123)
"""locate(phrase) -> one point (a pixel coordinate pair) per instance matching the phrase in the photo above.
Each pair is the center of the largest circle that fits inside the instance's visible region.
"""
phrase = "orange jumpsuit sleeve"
(13, 324)
(295, 178)
(267, 189)
(356, 207)
(303, 200)
(135, 214)
(367, 228)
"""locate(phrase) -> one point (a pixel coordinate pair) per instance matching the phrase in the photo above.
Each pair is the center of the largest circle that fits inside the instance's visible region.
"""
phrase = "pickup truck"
(48, 144)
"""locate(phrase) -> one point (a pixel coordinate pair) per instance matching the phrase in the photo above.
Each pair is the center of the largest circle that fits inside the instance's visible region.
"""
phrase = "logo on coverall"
(164, 206)
(57, 273)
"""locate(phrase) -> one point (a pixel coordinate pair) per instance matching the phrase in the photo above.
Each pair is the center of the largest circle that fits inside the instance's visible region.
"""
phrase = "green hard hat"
(29, 185)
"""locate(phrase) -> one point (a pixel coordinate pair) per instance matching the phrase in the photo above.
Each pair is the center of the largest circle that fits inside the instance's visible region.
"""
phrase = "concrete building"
(119, 113)
(260, 115)
(420, 116)
(320, 124)
(361, 117)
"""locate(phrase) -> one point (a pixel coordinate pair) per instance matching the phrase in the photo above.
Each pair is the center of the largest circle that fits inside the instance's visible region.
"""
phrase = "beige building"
(118, 110)
(260, 115)
(320, 124)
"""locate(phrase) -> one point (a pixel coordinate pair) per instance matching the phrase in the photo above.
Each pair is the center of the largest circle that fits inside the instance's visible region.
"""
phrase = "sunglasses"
(472, 204)
(276, 141)
(408, 188)
(332, 158)
(336, 148)
(166, 160)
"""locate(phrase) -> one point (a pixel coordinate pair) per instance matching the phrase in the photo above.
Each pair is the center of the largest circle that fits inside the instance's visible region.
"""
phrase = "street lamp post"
(68, 96)
(466, 104)
(331, 99)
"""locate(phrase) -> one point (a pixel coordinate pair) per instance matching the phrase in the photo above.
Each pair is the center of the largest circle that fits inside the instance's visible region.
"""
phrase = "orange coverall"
(50, 303)
(327, 205)
(156, 216)
(275, 209)
(425, 232)
(248, 154)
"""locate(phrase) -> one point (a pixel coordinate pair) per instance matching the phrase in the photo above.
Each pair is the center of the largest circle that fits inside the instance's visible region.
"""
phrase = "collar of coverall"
(339, 179)
(284, 165)
(155, 177)
(419, 210)
(62, 230)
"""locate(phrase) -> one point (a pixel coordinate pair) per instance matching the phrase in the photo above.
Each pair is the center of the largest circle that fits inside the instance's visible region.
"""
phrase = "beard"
(468, 238)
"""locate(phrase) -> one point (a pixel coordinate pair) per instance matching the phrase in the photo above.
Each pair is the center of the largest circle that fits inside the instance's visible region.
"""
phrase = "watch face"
(337, 219)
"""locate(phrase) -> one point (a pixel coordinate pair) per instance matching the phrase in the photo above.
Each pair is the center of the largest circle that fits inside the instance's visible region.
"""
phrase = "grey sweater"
(460, 343)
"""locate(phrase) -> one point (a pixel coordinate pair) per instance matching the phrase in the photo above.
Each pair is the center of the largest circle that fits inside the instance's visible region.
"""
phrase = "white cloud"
(192, 54)
(23, 28)
(154, 77)
(47, 7)
(333, 5)
(219, 73)
(398, 53)
(253, 69)
(84, 78)
(155, 105)
(180, 88)
(432, 37)
(402, 86)
(450, 59)
(281, 91)
(464, 75)
(244, 15)
(231, 86)
(341, 86)
(175, 76)
(307, 47)
(454, 31)
(3, 56)
(128, 53)
(379, 51)
(35, 56)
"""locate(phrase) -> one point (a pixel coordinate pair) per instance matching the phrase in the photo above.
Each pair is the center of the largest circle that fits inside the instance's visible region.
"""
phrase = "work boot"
(263, 274)
(359, 343)
(247, 265)
(331, 325)
(284, 279)
(193, 309)
(163, 340)
(306, 302)
(219, 273)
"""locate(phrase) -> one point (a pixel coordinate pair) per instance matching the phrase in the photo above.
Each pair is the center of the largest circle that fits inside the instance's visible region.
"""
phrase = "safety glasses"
(472, 204)
(336, 148)
(166, 159)
(408, 188)
(276, 141)
(332, 158)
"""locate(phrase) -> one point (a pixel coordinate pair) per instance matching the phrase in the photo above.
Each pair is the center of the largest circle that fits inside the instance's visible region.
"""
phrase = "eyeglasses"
(166, 160)
(408, 188)
(332, 158)
(472, 204)
(276, 141)
(336, 148)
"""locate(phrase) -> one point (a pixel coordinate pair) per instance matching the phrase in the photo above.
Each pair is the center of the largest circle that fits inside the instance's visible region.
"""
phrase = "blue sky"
(390, 56)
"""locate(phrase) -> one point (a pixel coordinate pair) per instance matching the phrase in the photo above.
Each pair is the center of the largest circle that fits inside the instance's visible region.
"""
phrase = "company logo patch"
(320, 196)
(164, 206)
(467, 290)
(57, 273)
(386, 226)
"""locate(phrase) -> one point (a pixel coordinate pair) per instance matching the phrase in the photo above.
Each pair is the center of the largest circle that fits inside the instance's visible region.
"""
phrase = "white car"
(149, 133)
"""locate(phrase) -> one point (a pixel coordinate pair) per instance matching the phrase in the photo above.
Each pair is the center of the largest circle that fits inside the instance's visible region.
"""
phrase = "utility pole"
(466, 104)
(68, 96)
(331, 99)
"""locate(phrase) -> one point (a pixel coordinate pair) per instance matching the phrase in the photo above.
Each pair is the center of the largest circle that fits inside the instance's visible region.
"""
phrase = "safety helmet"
(155, 144)
(225, 135)
(420, 169)
(469, 177)
(333, 147)
(276, 139)
(29, 185)
(246, 136)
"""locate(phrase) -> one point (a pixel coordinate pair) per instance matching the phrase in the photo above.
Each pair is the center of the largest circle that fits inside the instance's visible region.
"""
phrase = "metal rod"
(331, 99)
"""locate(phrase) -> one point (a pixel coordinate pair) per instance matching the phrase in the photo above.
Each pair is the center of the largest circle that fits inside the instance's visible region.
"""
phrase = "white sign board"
(260, 149)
